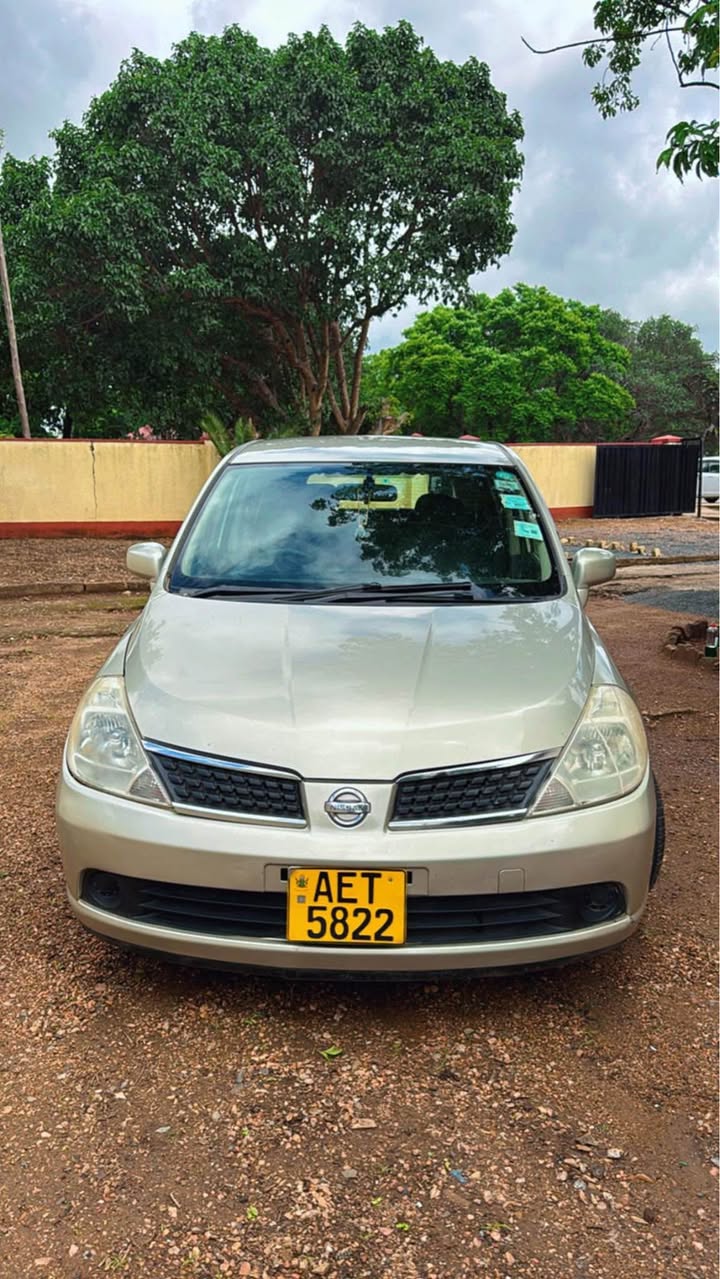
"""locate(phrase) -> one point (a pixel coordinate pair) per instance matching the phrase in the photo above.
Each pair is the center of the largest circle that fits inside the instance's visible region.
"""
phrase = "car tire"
(710, 499)
(659, 848)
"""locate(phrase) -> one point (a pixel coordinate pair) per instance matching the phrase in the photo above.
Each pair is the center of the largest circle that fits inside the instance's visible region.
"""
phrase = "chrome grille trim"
(229, 765)
(470, 819)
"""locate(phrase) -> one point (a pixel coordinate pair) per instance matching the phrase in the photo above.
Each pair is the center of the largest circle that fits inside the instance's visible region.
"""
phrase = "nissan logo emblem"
(347, 806)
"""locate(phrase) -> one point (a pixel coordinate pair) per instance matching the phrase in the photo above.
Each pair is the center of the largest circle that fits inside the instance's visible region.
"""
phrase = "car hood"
(358, 692)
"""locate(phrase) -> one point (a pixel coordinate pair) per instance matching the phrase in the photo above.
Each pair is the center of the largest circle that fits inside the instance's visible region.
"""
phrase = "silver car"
(362, 726)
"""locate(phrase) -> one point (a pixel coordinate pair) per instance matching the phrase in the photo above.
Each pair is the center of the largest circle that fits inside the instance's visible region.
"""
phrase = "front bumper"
(613, 842)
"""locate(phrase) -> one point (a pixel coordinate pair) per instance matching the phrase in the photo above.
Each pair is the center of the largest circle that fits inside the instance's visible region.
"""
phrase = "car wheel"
(709, 499)
(659, 849)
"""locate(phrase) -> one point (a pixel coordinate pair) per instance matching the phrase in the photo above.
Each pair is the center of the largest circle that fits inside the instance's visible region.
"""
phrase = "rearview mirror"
(145, 559)
(591, 566)
(363, 493)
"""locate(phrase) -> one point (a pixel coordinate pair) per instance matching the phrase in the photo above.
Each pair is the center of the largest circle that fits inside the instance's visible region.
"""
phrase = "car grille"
(431, 921)
(464, 794)
(225, 787)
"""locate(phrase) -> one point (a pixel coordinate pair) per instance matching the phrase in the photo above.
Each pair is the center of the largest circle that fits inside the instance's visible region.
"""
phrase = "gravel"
(161, 1123)
(696, 600)
(672, 534)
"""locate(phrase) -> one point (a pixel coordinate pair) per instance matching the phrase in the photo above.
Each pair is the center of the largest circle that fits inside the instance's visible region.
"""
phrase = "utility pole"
(12, 339)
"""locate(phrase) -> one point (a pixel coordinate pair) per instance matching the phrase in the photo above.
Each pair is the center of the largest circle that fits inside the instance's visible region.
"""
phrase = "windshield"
(294, 527)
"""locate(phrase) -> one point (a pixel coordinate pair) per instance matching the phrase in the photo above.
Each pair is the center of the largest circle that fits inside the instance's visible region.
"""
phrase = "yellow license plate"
(346, 907)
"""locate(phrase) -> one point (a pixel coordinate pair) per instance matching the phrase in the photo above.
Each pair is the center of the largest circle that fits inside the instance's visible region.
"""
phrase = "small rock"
(579, 1184)
(614, 1153)
(715, 1159)
(649, 1215)
(349, 1174)
(364, 1123)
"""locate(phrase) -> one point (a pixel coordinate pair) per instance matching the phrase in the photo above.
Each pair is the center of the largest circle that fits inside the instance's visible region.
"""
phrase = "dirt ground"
(160, 1123)
(63, 559)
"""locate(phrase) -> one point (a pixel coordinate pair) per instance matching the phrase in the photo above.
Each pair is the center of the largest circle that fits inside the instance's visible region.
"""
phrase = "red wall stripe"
(164, 528)
(92, 528)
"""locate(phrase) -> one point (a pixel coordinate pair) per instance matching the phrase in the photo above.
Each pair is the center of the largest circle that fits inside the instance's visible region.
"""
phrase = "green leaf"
(331, 1053)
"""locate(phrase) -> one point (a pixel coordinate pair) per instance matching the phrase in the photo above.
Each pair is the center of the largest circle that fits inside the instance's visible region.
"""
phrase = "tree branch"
(340, 369)
(335, 408)
(256, 380)
(578, 44)
(357, 371)
(685, 84)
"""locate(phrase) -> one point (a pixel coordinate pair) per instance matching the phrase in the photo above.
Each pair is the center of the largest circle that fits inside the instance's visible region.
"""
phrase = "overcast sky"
(594, 219)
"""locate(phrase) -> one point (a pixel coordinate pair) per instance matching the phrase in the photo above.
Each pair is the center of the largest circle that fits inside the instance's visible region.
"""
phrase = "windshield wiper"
(235, 590)
(372, 592)
(363, 592)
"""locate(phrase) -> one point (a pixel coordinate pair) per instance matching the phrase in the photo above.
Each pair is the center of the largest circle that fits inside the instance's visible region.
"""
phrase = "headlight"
(605, 758)
(103, 748)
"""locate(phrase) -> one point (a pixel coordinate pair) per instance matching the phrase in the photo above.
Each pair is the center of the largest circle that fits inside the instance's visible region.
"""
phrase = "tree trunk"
(12, 340)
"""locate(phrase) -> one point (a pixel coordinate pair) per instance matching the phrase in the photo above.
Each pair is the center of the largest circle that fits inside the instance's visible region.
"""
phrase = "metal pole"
(12, 339)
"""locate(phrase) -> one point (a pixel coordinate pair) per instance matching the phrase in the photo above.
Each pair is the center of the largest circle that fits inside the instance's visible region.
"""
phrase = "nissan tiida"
(362, 726)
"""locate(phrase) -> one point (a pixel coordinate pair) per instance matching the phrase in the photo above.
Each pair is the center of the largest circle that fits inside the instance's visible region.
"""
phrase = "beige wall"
(107, 487)
(85, 483)
(564, 473)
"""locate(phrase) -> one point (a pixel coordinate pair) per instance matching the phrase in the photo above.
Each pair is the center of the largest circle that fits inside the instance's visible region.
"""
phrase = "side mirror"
(591, 566)
(145, 559)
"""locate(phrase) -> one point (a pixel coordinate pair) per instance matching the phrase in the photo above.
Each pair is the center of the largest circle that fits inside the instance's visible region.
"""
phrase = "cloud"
(45, 48)
(594, 220)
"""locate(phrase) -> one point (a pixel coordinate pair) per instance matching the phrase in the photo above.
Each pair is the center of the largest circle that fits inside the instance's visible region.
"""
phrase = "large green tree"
(226, 224)
(688, 29)
(525, 366)
(672, 379)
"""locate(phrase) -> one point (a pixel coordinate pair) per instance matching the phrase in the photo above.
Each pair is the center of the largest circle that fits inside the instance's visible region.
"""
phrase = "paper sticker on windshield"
(524, 528)
(506, 482)
(515, 502)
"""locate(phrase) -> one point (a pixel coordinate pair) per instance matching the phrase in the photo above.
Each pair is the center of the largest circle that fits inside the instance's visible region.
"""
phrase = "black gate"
(646, 479)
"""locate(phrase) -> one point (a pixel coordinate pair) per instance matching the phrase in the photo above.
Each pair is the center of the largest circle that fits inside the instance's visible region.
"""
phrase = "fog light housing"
(103, 890)
(601, 902)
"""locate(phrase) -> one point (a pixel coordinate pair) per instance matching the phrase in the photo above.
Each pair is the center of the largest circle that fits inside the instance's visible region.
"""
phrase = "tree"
(671, 378)
(98, 359)
(689, 29)
(523, 366)
(240, 215)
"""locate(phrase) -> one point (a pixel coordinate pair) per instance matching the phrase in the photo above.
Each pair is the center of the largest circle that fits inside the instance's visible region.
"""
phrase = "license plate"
(346, 907)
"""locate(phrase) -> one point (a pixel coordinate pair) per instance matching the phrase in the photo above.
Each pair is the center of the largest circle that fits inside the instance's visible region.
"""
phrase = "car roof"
(362, 448)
